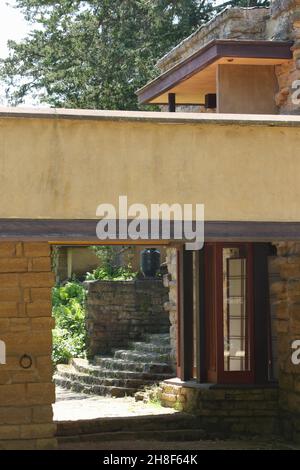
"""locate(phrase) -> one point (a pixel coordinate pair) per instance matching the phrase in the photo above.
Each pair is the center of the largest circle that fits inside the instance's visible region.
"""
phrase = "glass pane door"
(235, 315)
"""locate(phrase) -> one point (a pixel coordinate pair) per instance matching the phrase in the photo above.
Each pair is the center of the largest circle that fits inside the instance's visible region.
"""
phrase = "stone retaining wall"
(122, 311)
(26, 395)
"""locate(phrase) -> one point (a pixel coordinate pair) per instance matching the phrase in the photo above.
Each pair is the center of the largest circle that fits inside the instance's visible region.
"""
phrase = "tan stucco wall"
(54, 167)
(247, 89)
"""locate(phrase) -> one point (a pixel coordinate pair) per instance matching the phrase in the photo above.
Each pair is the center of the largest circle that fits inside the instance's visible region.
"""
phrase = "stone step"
(149, 347)
(167, 422)
(159, 339)
(125, 365)
(87, 379)
(102, 390)
(165, 436)
(135, 356)
(85, 367)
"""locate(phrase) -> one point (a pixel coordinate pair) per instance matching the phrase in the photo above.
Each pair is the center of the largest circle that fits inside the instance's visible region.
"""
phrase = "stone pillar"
(26, 393)
(287, 292)
(170, 281)
(285, 16)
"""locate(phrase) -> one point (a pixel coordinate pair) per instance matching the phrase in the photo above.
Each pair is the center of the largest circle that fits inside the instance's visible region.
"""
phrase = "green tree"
(95, 53)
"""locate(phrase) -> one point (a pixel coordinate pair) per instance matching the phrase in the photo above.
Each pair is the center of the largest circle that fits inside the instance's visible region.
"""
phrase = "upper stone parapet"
(231, 23)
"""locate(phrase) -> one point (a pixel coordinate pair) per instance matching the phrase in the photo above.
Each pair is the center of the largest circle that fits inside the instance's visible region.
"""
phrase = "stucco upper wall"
(62, 165)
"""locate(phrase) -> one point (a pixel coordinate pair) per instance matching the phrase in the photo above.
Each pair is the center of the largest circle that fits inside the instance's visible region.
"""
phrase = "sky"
(12, 25)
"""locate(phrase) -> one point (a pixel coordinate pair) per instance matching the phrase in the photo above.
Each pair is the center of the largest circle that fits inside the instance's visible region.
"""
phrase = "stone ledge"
(211, 386)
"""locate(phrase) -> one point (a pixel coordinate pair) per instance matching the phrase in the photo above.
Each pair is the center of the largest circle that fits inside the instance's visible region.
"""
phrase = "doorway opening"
(112, 335)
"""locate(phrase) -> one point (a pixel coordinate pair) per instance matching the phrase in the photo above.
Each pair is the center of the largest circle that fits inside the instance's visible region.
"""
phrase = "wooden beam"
(84, 230)
(209, 54)
(172, 102)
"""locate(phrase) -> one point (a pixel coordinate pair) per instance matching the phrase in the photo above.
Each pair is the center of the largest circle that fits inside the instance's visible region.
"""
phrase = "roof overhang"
(198, 71)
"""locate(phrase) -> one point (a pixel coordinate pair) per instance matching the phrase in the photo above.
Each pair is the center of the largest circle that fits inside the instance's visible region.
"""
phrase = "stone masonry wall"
(124, 311)
(26, 395)
(225, 412)
(287, 293)
(285, 25)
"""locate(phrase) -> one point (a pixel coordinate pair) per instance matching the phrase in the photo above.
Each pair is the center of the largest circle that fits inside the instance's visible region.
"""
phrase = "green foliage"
(112, 274)
(110, 269)
(95, 53)
(69, 336)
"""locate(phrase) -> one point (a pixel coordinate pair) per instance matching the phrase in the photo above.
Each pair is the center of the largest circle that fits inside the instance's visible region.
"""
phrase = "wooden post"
(261, 311)
(172, 102)
(186, 315)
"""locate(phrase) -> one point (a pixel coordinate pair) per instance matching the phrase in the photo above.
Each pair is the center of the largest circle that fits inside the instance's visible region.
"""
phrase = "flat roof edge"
(147, 116)
(208, 54)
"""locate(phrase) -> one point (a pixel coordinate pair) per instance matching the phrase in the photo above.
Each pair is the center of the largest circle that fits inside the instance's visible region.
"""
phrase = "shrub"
(116, 274)
(69, 335)
(109, 269)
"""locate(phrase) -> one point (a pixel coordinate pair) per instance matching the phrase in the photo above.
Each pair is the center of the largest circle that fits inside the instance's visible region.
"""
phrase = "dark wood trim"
(261, 311)
(201, 322)
(70, 230)
(210, 53)
(210, 311)
(179, 273)
(186, 316)
(172, 102)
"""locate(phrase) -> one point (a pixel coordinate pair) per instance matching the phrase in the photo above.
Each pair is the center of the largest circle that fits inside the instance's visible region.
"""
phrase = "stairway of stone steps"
(144, 363)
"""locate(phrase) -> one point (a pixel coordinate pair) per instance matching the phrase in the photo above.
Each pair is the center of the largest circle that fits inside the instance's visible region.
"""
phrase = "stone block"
(7, 249)
(36, 431)
(36, 249)
(37, 280)
(42, 414)
(8, 309)
(15, 415)
(40, 393)
(41, 293)
(39, 308)
(39, 264)
(9, 294)
(13, 265)
(9, 280)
